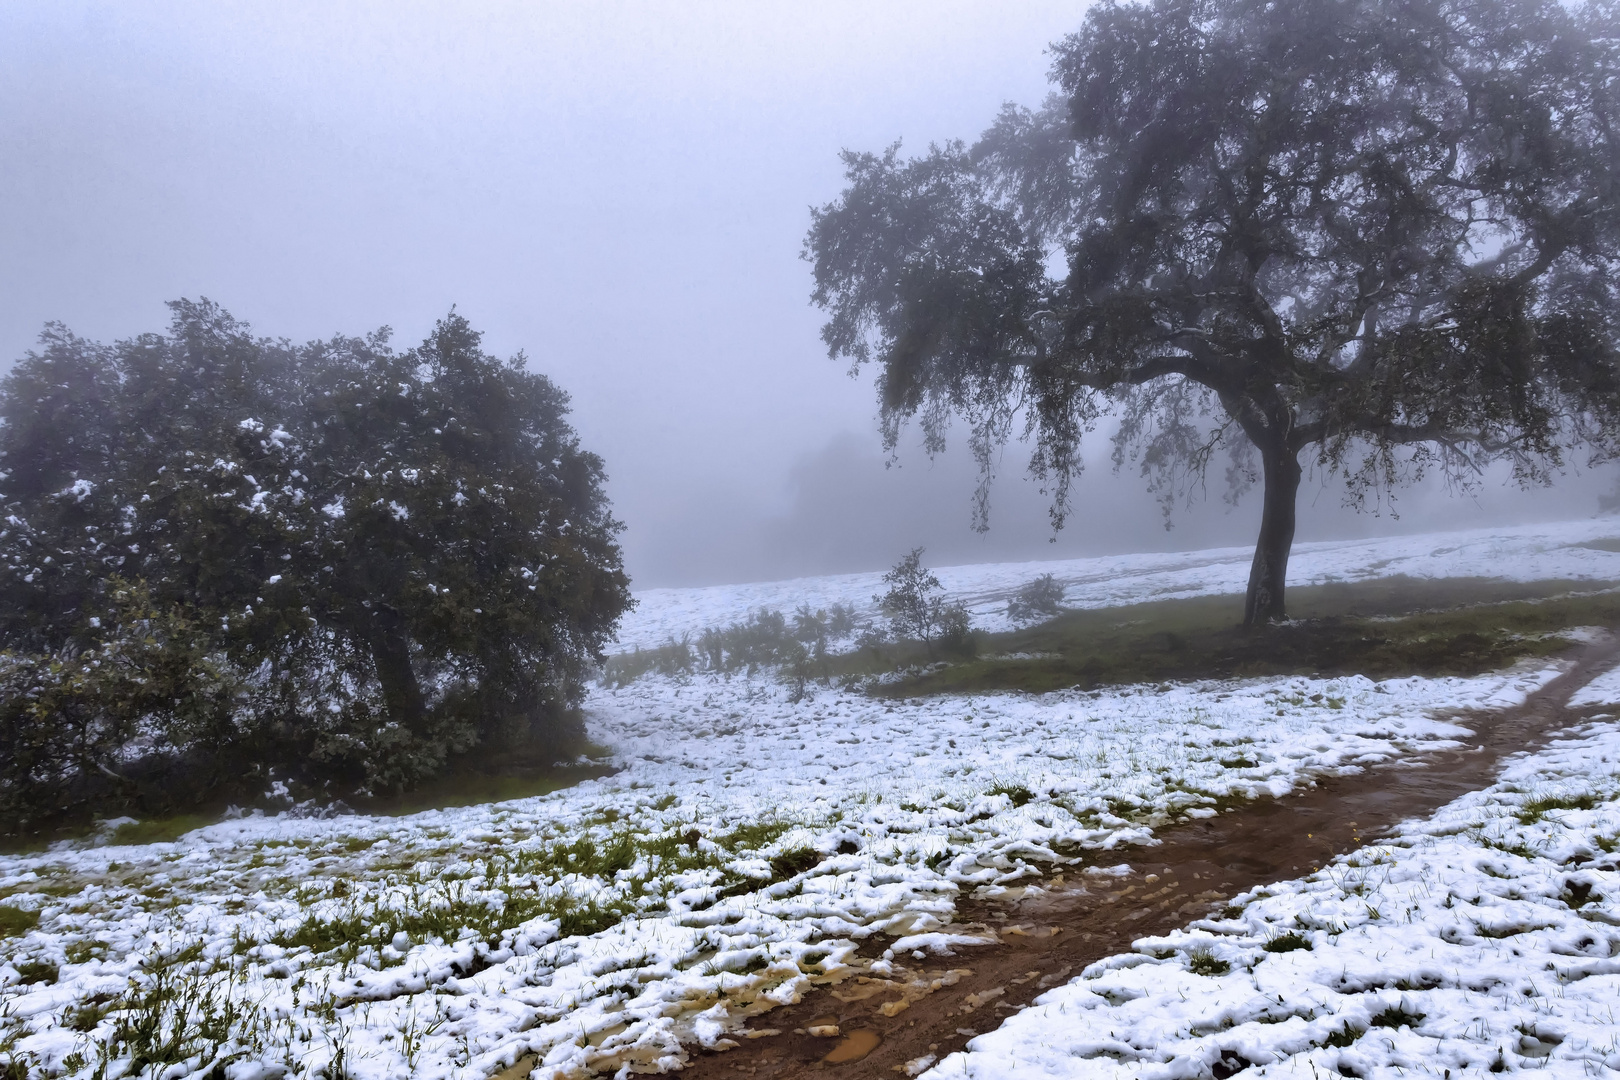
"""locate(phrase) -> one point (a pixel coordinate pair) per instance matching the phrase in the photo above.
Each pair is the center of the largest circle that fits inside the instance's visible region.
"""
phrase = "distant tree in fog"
(1038, 598)
(1372, 237)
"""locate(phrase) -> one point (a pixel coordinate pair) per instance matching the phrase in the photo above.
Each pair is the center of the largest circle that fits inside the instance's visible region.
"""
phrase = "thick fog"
(618, 189)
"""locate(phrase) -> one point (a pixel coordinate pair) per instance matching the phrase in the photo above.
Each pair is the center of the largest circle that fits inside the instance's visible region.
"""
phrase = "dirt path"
(869, 1026)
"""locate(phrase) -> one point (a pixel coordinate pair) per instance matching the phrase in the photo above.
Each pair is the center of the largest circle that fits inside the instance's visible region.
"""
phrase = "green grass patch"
(1018, 793)
(1204, 962)
(1396, 1016)
(1533, 810)
(755, 835)
(468, 787)
(633, 868)
(791, 864)
(15, 922)
(1386, 628)
(160, 830)
(1292, 941)
(32, 970)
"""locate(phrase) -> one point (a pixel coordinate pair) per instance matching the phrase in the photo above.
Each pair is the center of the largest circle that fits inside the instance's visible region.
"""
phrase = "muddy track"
(873, 1026)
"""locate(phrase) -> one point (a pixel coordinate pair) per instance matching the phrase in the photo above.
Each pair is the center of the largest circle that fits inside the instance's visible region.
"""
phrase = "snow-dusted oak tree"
(1370, 236)
(222, 555)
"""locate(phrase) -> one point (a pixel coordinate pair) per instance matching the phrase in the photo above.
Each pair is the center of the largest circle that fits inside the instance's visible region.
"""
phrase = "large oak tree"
(1371, 236)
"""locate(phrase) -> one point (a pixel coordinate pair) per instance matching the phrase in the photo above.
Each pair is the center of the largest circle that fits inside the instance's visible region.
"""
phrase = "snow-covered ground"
(346, 934)
(1521, 553)
(1486, 939)
(747, 843)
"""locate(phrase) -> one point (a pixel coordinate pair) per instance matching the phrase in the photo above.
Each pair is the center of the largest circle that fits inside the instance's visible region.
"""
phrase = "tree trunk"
(1269, 572)
(391, 652)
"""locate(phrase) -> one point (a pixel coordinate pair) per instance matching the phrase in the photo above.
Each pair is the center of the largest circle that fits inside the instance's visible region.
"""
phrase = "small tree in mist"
(1039, 598)
(917, 608)
(1375, 237)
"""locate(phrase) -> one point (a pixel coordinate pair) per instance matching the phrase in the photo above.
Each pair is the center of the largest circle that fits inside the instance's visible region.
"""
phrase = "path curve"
(1044, 937)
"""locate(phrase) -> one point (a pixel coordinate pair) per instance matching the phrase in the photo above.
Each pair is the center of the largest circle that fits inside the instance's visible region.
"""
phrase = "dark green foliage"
(1203, 962)
(1040, 598)
(68, 718)
(1382, 235)
(224, 555)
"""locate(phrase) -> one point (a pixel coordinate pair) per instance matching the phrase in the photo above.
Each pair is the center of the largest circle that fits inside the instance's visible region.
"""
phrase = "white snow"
(1484, 940)
(1522, 553)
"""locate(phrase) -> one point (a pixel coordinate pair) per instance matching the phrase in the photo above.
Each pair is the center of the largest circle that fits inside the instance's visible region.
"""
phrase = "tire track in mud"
(874, 1025)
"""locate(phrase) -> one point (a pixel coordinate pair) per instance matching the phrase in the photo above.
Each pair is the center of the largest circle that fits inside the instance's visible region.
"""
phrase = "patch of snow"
(1603, 690)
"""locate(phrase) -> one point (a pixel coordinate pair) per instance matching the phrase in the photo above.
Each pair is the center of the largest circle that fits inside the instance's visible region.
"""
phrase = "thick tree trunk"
(1269, 573)
(391, 652)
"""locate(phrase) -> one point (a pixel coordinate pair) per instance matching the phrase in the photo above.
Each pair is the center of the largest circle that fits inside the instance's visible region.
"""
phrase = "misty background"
(618, 189)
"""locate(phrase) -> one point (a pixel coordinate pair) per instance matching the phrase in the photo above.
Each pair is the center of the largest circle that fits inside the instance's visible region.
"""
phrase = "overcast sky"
(619, 189)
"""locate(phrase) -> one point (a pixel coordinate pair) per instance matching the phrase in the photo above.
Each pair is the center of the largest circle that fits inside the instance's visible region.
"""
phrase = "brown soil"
(1047, 935)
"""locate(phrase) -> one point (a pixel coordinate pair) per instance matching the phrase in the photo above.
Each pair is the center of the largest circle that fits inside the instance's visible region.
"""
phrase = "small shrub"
(1040, 598)
(675, 658)
(1204, 962)
(917, 608)
(956, 636)
(841, 621)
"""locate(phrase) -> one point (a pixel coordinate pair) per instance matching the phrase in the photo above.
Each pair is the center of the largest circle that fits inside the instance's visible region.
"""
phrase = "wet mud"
(871, 1025)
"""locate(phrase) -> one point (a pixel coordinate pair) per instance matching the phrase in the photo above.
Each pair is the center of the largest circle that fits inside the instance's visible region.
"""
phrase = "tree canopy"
(1378, 235)
(354, 562)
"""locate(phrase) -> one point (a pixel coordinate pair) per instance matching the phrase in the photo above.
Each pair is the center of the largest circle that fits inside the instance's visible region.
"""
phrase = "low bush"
(917, 608)
(1039, 598)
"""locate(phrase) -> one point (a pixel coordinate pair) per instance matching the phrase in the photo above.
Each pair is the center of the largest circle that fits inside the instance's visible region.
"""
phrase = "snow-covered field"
(314, 930)
(1486, 939)
(1522, 553)
(747, 843)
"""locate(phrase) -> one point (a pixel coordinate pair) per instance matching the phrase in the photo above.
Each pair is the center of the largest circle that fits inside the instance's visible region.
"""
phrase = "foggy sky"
(619, 189)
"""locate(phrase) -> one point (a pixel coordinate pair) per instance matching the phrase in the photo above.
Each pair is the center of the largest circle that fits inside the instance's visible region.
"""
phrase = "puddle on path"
(1046, 935)
(853, 1047)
